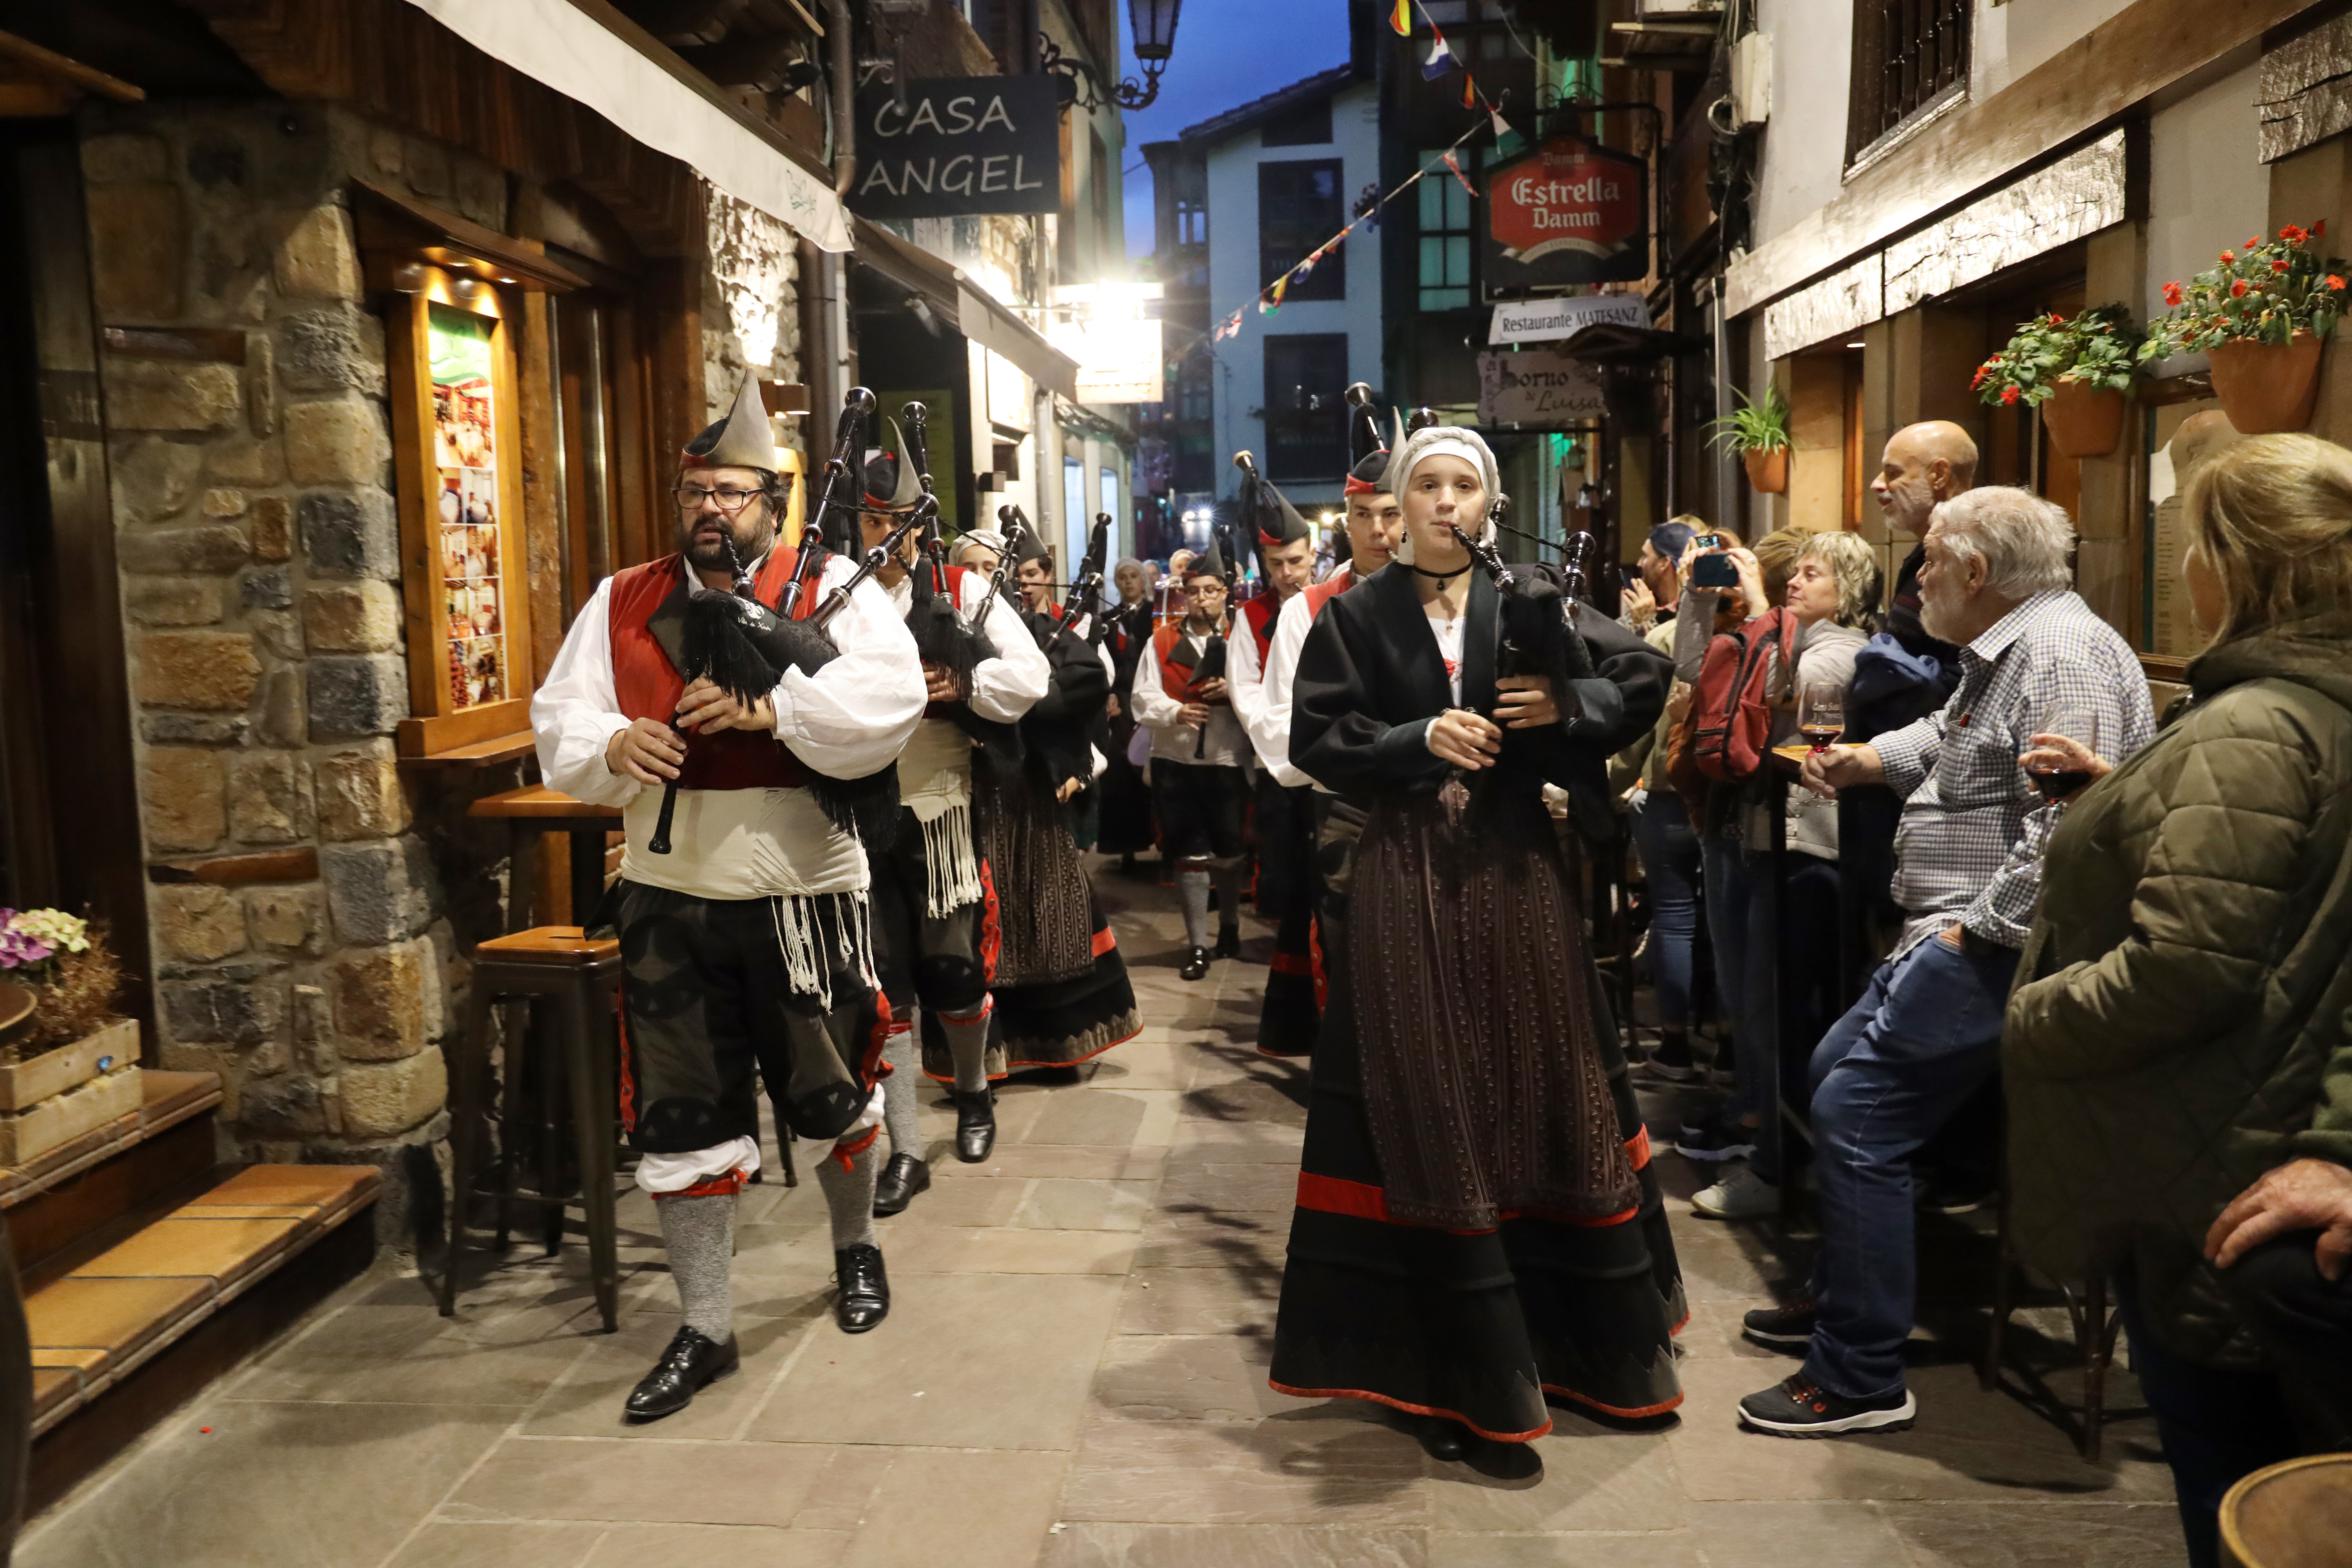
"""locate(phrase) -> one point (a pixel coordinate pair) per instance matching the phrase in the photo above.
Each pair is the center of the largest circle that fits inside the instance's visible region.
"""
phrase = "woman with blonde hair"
(2176, 1057)
(1830, 588)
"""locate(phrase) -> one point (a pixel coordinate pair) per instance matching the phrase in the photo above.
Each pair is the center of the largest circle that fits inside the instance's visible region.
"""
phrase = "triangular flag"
(1298, 274)
(1502, 127)
(1400, 20)
(1441, 57)
(1469, 91)
(1271, 301)
(1459, 175)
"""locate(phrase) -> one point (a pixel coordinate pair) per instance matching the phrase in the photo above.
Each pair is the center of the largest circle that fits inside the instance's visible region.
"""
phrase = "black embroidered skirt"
(1061, 993)
(1478, 1229)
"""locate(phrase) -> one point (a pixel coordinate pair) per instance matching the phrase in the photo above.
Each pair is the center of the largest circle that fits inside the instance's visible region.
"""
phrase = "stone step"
(95, 1322)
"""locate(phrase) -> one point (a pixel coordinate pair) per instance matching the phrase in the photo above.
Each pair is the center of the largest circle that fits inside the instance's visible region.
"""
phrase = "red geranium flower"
(2253, 240)
(2279, 264)
(2294, 234)
(2238, 289)
(2319, 230)
(2008, 396)
(2228, 256)
(2172, 293)
(2336, 283)
(2057, 320)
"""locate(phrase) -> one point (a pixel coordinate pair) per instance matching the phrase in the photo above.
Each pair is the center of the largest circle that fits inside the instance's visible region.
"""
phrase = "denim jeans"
(1725, 866)
(1670, 861)
(1885, 1077)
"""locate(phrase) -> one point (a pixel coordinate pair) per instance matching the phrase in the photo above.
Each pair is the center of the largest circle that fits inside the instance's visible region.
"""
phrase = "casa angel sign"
(1570, 211)
(957, 146)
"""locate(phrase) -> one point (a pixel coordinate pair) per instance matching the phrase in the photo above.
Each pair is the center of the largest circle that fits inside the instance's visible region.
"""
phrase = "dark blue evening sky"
(1227, 52)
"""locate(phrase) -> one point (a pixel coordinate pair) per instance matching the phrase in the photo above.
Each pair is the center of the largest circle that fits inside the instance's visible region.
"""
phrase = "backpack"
(1729, 727)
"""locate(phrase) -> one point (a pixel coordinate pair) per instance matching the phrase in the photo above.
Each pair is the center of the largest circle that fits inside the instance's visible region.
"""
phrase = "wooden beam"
(48, 65)
(2139, 51)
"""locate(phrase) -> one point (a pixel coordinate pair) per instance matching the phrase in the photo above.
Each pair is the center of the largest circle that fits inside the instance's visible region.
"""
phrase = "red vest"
(648, 686)
(1330, 588)
(1175, 679)
(1260, 613)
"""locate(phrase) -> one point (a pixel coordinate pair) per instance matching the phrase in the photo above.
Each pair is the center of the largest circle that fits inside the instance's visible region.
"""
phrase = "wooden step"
(97, 1319)
(102, 1182)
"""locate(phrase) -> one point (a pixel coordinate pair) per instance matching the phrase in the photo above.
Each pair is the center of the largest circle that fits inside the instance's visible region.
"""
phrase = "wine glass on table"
(1821, 713)
(2059, 771)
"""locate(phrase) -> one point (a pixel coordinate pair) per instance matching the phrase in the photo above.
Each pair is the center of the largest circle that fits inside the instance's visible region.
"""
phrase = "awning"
(631, 79)
(964, 305)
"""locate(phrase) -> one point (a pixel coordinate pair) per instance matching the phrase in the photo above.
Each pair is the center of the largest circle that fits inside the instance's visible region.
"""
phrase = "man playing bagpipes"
(714, 699)
(1198, 754)
(935, 909)
(1061, 994)
(1290, 1012)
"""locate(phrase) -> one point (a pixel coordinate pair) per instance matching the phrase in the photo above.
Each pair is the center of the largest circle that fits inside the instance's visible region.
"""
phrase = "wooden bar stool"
(580, 975)
(2091, 1315)
(2292, 1515)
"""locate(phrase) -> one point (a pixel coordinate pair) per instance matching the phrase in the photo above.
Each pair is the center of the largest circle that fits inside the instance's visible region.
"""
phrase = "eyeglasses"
(730, 499)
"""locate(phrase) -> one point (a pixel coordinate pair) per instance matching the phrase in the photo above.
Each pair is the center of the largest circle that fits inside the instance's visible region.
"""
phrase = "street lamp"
(1153, 24)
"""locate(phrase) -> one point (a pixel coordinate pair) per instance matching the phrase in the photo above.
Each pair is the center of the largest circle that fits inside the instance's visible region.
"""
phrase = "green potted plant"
(1758, 430)
(2261, 316)
(2075, 370)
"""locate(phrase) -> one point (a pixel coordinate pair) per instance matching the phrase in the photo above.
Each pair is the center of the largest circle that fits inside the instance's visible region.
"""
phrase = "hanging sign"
(1543, 386)
(959, 145)
(1559, 318)
(1568, 212)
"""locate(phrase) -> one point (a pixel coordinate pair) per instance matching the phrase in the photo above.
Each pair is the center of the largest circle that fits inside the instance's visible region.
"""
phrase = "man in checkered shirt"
(1926, 1034)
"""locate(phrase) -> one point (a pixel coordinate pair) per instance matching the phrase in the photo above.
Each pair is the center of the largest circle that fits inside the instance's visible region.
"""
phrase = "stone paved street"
(1072, 1376)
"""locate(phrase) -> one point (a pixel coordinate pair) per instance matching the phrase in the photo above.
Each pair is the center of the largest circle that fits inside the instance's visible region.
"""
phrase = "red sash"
(648, 686)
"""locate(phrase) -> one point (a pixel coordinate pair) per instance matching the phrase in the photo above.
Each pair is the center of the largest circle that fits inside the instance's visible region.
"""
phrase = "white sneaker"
(1740, 1195)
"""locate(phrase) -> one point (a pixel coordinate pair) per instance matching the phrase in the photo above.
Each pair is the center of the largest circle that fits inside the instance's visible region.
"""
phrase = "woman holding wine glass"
(1832, 595)
(2176, 1056)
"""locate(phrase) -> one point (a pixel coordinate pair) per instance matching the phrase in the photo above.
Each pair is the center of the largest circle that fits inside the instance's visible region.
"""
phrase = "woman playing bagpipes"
(1477, 1230)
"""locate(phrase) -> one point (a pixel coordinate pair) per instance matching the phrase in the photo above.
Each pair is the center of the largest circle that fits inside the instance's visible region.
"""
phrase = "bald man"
(1924, 464)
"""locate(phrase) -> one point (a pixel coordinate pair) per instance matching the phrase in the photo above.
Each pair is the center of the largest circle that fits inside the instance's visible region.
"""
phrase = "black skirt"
(1477, 1323)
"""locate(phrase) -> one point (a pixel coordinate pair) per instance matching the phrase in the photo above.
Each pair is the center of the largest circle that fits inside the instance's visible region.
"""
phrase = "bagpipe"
(1539, 635)
(1214, 657)
(1014, 525)
(1084, 605)
(744, 648)
(943, 638)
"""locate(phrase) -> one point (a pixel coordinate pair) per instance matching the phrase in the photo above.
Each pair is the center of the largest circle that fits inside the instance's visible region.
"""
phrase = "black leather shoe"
(1441, 1439)
(864, 1296)
(975, 1126)
(901, 1179)
(1196, 965)
(692, 1363)
(1228, 943)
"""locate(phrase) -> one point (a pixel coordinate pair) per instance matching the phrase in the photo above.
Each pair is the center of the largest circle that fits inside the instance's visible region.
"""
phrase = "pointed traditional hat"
(890, 484)
(1032, 548)
(1209, 563)
(1270, 515)
(741, 440)
(1369, 458)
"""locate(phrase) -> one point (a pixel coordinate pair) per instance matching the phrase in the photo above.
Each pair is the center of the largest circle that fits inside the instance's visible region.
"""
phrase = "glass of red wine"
(1821, 713)
(2057, 779)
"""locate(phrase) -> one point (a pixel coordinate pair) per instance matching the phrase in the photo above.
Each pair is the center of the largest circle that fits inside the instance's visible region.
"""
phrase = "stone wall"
(309, 958)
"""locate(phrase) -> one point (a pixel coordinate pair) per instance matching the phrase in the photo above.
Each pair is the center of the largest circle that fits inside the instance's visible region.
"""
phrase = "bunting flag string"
(1269, 298)
(1442, 59)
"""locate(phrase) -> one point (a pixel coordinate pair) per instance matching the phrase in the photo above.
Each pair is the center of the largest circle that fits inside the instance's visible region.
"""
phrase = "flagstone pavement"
(1072, 1375)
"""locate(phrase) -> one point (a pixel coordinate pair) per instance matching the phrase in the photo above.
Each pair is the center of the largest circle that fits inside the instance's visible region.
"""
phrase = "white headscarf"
(1442, 441)
(981, 538)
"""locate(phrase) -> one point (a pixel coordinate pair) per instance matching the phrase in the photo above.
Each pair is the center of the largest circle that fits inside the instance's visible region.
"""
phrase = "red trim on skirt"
(627, 1061)
(1411, 1409)
(991, 924)
(1363, 1201)
(713, 1187)
(1105, 941)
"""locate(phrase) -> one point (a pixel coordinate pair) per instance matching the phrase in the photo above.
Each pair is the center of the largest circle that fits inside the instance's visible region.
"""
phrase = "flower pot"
(2267, 387)
(1767, 469)
(2083, 421)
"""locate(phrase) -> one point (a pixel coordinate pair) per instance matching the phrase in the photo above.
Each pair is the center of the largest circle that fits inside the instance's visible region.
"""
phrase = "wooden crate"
(27, 1135)
(27, 1083)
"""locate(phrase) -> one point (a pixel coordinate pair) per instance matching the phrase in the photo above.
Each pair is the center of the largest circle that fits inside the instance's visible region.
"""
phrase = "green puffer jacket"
(2182, 1021)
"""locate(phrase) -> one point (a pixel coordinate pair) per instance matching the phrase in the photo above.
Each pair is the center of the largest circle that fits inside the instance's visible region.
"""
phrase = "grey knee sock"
(967, 1042)
(849, 1195)
(1192, 885)
(904, 1053)
(700, 1236)
(1229, 896)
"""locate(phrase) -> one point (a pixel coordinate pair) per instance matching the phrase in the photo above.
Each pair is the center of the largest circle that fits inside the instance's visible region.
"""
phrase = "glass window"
(1299, 207)
(1443, 273)
(1110, 503)
(1074, 514)
(1306, 423)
